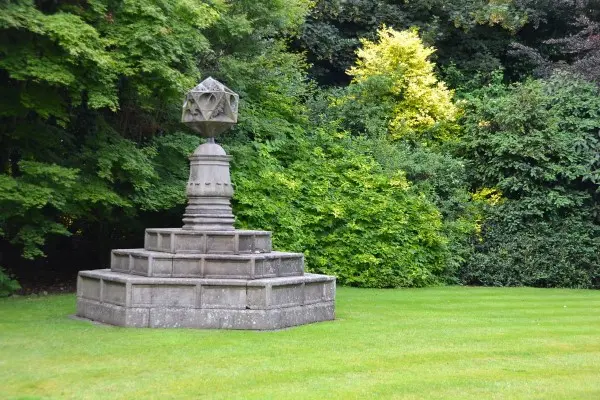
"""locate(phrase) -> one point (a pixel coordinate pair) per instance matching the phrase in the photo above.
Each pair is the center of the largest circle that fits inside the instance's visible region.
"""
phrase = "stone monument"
(206, 274)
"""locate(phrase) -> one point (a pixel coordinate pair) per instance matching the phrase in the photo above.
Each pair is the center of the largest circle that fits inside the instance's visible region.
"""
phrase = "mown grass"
(437, 343)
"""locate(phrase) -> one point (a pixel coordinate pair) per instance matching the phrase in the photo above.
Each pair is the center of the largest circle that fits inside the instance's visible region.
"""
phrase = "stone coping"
(281, 281)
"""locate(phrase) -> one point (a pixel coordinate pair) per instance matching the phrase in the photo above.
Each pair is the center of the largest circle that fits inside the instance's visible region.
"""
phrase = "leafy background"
(394, 143)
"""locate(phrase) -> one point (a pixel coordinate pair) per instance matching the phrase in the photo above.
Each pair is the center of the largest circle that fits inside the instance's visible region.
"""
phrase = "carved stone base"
(260, 304)
(209, 190)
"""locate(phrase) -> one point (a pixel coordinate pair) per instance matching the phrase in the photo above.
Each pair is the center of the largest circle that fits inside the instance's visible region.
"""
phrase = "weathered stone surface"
(117, 288)
(271, 303)
(177, 240)
(113, 314)
(237, 266)
(206, 318)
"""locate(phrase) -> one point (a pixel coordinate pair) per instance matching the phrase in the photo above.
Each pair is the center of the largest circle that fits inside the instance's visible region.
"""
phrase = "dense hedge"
(537, 143)
(335, 203)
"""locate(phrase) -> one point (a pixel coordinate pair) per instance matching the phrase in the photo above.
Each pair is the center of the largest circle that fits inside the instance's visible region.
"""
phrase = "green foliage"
(442, 179)
(536, 142)
(364, 178)
(474, 35)
(90, 52)
(319, 190)
(565, 38)
(8, 285)
(563, 253)
(335, 203)
(26, 201)
(171, 171)
(85, 91)
(404, 76)
(90, 90)
(368, 108)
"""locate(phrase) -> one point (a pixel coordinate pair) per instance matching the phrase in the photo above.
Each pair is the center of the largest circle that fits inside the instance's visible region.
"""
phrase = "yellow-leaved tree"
(400, 60)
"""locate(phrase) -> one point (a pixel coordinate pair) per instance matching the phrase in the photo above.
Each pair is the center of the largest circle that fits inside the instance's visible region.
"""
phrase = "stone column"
(209, 190)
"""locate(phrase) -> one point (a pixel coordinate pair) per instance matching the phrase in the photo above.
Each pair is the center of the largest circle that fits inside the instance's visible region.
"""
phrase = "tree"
(90, 143)
(397, 69)
(473, 35)
(568, 39)
(392, 107)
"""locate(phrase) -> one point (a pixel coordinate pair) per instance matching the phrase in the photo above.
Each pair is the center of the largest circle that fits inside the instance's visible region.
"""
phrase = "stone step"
(177, 240)
(270, 303)
(226, 266)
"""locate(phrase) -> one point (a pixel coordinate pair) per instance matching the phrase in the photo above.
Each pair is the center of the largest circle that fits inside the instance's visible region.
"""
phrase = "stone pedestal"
(209, 190)
(205, 279)
(206, 274)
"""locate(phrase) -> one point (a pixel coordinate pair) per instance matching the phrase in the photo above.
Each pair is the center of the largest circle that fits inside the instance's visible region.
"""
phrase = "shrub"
(335, 203)
(406, 118)
(8, 285)
(536, 143)
(540, 253)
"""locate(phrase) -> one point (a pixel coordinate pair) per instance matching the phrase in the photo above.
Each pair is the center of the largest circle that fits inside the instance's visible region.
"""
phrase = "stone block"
(162, 317)
(187, 267)
(220, 244)
(141, 295)
(176, 240)
(287, 295)
(287, 264)
(88, 288)
(113, 314)
(229, 294)
(173, 295)
(223, 267)
(257, 298)
(114, 292)
(308, 314)
(119, 261)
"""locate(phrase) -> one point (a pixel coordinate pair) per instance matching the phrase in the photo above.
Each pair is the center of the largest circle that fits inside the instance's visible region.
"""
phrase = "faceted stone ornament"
(210, 108)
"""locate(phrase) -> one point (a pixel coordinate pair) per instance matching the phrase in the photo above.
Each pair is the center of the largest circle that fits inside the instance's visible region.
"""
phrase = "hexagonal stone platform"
(262, 304)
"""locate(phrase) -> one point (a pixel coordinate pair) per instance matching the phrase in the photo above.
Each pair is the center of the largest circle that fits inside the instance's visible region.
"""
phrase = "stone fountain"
(206, 274)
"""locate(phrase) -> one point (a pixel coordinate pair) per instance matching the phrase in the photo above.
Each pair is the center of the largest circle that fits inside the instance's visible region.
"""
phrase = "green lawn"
(438, 343)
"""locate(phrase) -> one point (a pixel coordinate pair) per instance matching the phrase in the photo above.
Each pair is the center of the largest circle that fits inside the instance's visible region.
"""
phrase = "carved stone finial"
(210, 108)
